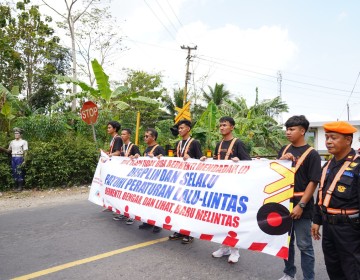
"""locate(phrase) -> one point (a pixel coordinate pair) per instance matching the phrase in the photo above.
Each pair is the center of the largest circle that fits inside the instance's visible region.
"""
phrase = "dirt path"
(30, 198)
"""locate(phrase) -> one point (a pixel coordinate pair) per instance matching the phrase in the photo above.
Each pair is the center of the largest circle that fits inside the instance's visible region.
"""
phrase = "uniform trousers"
(341, 247)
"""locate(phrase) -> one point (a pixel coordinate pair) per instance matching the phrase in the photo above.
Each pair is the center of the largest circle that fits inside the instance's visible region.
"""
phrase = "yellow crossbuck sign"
(183, 113)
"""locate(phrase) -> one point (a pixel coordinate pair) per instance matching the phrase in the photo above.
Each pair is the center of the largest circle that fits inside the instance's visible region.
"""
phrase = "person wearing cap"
(307, 164)
(338, 203)
(187, 148)
(18, 149)
(229, 148)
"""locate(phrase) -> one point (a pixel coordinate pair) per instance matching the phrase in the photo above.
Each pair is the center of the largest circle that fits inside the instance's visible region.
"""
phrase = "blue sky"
(243, 44)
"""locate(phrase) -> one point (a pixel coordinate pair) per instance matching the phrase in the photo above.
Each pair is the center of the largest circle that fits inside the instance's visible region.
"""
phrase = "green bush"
(6, 182)
(61, 162)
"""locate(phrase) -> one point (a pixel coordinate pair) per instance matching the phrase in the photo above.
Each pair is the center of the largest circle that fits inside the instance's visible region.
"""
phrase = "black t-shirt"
(133, 150)
(116, 146)
(310, 170)
(157, 151)
(194, 150)
(346, 194)
(238, 150)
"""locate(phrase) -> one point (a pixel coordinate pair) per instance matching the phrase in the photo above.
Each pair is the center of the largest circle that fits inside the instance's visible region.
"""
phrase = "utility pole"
(187, 74)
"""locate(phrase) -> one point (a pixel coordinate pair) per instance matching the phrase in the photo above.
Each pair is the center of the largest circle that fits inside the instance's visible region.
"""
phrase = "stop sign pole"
(89, 114)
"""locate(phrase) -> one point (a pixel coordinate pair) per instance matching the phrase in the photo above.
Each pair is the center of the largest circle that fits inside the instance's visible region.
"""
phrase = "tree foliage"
(217, 94)
(31, 55)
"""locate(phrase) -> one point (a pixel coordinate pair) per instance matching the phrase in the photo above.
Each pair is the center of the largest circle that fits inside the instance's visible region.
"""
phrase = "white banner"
(244, 204)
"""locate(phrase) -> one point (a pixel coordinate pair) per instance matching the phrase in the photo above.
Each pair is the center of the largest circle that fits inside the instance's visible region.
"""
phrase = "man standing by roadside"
(307, 165)
(153, 149)
(128, 150)
(187, 147)
(229, 148)
(18, 149)
(338, 204)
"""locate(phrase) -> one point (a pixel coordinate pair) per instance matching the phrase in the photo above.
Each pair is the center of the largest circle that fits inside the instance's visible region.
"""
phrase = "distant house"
(316, 134)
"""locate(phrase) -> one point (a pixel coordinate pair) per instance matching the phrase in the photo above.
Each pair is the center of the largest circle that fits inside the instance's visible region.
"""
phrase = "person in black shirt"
(229, 148)
(128, 150)
(187, 147)
(338, 204)
(116, 143)
(153, 149)
(307, 165)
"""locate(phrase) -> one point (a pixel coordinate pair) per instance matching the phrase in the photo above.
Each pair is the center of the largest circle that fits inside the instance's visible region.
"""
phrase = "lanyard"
(128, 149)
(182, 149)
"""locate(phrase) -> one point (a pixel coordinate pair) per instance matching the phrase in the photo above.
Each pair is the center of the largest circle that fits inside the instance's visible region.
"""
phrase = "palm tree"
(170, 102)
(216, 94)
(256, 125)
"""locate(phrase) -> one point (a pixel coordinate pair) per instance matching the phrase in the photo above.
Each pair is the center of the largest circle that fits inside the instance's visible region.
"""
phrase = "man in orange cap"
(338, 204)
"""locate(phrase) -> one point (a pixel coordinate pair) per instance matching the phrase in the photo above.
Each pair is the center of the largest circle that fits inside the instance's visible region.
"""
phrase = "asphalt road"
(37, 239)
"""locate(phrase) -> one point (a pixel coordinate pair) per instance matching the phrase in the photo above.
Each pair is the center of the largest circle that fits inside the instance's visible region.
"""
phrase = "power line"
(267, 80)
(175, 28)
(268, 68)
(272, 76)
(160, 20)
(347, 102)
(175, 14)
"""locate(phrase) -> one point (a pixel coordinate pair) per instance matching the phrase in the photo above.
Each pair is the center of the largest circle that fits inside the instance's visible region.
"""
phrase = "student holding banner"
(229, 148)
(188, 147)
(307, 165)
(128, 150)
(115, 145)
(153, 149)
(116, 142)
(338, 204)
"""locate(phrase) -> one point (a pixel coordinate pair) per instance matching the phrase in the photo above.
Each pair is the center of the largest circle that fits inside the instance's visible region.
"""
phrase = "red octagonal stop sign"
(89, 112)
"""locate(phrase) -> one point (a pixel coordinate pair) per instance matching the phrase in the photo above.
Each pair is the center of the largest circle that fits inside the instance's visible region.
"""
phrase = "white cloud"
(342, 16)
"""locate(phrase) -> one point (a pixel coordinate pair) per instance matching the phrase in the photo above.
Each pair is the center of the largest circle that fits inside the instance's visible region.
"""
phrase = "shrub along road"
(67, 231)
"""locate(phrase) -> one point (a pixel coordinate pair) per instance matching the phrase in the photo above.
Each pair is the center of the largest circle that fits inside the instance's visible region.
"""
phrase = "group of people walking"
(336, 206)
(337, 203)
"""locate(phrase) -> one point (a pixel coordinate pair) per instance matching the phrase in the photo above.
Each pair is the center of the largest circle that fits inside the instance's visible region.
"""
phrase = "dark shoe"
(156, 229)
(119, 218)
(176, 236)
(129, 221)
(144, 226)
(187, 239)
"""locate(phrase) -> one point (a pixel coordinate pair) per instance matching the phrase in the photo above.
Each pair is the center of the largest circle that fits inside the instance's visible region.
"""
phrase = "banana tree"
(206, 129)
(9, 104)
(103, 94)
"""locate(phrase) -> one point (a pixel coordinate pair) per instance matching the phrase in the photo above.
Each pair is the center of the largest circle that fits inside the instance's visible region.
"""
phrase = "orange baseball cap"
(339, 127)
